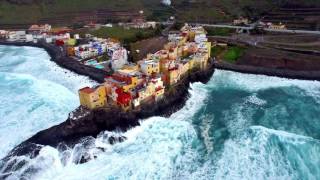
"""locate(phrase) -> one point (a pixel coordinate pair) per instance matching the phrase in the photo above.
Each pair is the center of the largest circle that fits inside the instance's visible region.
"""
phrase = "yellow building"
(183, 67)
(201, 60)
(132, 85)
(159, 93)
(173, 76)
(150, 67)
(93, 98)
(71, 42)
(124, 79)
(208, 44)
(191, 63)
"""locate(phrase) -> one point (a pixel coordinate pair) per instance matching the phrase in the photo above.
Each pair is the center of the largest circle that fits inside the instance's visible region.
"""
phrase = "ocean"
(237, 126)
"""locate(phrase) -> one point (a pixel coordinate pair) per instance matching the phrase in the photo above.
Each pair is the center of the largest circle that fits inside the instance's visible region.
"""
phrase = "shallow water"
(237, 126)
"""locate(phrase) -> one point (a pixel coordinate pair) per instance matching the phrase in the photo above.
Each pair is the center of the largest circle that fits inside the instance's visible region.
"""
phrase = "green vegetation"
(216, 51)
(125, 35)
(233, 53)
(220, 31)
(31, 11)
(103, 58)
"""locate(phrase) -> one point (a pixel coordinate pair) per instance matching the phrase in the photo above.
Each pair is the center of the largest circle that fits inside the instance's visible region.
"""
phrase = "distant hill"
(67, 12)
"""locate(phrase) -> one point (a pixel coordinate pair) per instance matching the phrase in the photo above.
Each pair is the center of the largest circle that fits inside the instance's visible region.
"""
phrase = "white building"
(119, 58)
(29, 38)
(16, 36)
(199, 38)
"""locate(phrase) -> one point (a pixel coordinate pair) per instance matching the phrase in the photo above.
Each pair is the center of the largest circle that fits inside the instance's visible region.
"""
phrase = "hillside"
(67, 12)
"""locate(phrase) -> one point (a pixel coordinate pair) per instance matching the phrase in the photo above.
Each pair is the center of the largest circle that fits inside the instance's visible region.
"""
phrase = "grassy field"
(124, 35)
(233, 53)
(216, 51)
(229, 54)
(219, 31)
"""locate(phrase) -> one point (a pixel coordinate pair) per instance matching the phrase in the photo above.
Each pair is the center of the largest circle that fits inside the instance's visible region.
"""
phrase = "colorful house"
(71, 42)
(93, 98)
(70, 51)
(123, 99)
(135, 84)
(172, 76)
(37, 29)
(150, 67)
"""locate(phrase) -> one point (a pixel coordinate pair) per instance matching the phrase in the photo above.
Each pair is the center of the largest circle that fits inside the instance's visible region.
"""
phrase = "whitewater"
(237, 126)
(35, 94)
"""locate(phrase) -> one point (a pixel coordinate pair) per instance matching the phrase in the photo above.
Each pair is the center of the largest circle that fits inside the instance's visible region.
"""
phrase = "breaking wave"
(35, 94)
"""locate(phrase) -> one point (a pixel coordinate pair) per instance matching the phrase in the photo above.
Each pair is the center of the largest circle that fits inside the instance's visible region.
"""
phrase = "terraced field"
(296, 18)
(67, 12)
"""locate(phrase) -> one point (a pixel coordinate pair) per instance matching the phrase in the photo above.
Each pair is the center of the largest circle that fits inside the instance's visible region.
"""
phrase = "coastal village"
(133, 84)
(129, 85)
(87, 50)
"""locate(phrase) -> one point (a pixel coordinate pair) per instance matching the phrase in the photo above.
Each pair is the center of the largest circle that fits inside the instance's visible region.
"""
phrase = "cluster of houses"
(134, 84)
(97, 47)
(86, 52)
(44, 32)
(245, 21)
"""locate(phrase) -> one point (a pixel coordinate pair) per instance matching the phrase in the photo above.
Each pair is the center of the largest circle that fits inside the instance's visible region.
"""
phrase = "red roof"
(59, 42)
(159, 88)
(121, 78)
(123, 98)
(87, 90)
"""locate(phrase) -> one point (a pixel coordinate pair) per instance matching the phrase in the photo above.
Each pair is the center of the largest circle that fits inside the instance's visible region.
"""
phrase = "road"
(266, 29)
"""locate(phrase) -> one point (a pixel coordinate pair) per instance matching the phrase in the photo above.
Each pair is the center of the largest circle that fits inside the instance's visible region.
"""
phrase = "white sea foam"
(150, 152)
(35, 94)
(256, 154)
(166, 2)
(36, 62)
(254, 83)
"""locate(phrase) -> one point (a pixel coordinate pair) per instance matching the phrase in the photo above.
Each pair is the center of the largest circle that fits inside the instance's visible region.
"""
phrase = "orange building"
(70, 51)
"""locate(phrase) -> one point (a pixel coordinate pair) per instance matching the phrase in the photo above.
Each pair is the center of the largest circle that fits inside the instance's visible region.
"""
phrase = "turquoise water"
(237, 126)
